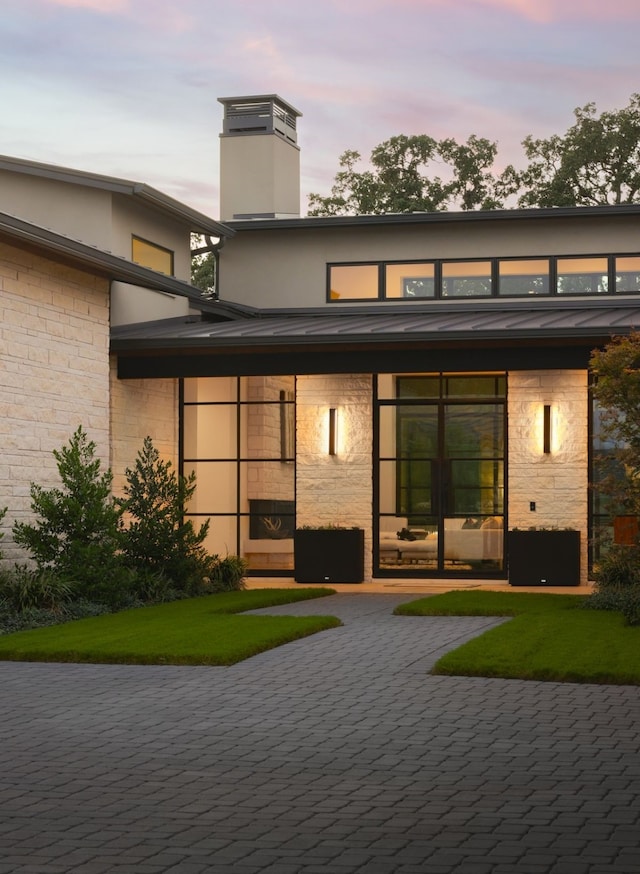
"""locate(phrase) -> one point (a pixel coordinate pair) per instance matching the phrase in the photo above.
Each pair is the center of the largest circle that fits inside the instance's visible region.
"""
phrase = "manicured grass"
(198, 631)
(549, 638)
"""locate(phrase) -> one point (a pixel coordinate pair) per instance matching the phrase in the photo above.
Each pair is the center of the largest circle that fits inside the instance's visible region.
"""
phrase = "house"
(80, 253)
(421, 376)
(449, 350)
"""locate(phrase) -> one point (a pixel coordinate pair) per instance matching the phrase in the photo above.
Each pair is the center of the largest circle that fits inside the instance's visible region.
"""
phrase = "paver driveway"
(337, 753)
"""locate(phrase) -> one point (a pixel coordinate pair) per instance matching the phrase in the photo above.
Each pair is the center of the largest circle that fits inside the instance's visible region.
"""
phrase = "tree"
(75, 534)
(597, 161)
(616, 369)
(204, 264)
(157, 539)
(401, 178)
(617, 390)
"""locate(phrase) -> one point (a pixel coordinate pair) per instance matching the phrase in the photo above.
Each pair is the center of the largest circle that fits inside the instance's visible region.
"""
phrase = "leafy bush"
(39, 617)
(83, 549)
(228, 574)
(618, 568)
(617, 583)
(75, 535)
(3, 513)
(26, 589)
(157, 539)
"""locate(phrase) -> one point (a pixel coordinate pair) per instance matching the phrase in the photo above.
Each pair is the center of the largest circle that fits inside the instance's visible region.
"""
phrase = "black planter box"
(544, 558)
(329, 555)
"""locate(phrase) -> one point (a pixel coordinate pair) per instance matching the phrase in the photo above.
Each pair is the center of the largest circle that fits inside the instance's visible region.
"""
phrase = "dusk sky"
(129, 87)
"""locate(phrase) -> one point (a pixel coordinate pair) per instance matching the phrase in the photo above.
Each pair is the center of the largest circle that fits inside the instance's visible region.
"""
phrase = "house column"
(554, 482)
(335, 489)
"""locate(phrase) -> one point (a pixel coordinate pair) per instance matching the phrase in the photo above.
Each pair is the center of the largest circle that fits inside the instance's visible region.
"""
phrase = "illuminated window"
(523, 277)
(410, 280)
(583, 275)
(149, 255)
(466, 279)
(627, 274)
(354, 282)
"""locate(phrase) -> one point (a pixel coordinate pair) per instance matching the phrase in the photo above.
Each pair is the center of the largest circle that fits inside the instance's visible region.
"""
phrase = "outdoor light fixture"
(546, 429)
(333, 431)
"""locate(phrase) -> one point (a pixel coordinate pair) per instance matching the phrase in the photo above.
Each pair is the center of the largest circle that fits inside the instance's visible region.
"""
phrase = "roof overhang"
(492, 335)
(157, 200)
(443, 217)
(71, 252)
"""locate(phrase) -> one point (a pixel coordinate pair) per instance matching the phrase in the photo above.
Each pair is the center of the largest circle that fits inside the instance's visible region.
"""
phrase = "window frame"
(551, 262)
(155, 247)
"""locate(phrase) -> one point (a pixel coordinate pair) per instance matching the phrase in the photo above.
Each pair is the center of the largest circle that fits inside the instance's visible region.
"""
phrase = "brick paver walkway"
(331, 755)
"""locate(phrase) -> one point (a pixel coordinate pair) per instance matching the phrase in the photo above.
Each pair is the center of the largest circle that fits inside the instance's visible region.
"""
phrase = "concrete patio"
(337, 753)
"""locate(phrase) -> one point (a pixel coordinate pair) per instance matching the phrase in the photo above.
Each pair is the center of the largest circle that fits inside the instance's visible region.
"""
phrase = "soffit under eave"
(383, 358)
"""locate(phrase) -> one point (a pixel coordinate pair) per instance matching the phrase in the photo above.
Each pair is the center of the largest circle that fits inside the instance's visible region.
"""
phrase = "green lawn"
(198, 631)
(548, 638)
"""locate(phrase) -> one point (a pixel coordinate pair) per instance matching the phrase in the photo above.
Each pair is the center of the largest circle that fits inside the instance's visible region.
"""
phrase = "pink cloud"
(105, 6)
(548, 11)
(163, 16)
(540, 11)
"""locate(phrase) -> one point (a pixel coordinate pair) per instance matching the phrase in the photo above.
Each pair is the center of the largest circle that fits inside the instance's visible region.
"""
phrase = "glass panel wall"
(604, 467)
(491, 277)
(238, 436)
(441, 473)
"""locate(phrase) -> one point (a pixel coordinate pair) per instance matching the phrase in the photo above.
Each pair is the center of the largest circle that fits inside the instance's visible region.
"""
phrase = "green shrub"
(26, 589)
(75, 534)
(157, 539)
(3, 513)
(228, 574)
(39, 617)
(618, 568)
(617, 583)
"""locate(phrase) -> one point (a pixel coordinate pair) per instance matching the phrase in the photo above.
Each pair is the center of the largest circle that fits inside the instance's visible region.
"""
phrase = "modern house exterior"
(80, 253)
(422, 376)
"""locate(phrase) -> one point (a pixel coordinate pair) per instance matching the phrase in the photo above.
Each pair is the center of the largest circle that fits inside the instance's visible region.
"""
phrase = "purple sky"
(129, 87)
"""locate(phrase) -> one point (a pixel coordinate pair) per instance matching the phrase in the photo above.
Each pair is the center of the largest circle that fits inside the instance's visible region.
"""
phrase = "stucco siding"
(287, 268)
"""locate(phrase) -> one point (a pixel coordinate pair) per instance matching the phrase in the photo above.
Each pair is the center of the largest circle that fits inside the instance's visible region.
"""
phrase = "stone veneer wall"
(54, 340)
(557, 482)
(335, 489)
(142, 408)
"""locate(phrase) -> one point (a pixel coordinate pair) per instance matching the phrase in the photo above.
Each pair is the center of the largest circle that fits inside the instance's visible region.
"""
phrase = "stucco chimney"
(259, 158)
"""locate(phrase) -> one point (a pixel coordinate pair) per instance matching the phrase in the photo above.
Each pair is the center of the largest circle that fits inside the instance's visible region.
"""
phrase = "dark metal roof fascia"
(107, 264)
(443, 217)
(156, 199)
(276, 332)
(461, 305)
(197, 220)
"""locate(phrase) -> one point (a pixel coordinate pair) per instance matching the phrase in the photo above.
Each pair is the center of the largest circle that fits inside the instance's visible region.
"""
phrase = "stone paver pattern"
(335, 754)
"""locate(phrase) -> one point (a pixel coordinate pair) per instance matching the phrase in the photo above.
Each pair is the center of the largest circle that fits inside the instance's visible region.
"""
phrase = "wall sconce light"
(333, 431)
(546, 429)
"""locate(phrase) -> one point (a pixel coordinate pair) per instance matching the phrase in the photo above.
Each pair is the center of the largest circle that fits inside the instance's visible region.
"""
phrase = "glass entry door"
(441, 482)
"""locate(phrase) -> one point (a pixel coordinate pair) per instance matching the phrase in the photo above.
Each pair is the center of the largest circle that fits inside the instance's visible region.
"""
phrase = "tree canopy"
(597, 161)
(402, 179)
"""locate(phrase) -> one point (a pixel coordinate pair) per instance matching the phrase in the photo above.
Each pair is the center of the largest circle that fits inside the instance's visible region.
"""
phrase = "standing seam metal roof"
(556, 319)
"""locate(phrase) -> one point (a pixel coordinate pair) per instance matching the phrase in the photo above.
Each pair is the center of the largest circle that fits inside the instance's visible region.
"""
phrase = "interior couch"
(464, 540)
